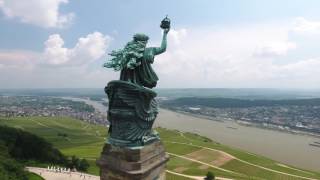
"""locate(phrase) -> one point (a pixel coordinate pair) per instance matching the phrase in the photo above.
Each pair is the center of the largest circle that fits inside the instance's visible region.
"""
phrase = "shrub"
(210, 176)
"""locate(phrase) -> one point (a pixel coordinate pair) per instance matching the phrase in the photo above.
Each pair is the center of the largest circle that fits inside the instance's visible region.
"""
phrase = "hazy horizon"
(170, 88)
(242, 93)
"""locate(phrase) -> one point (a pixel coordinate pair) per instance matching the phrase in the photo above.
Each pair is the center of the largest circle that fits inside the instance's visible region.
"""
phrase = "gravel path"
(49, 175)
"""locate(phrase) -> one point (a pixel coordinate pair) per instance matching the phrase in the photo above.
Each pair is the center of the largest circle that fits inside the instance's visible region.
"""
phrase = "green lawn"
(86, 141)
(187, 138)
(170, 176)
(195, 169)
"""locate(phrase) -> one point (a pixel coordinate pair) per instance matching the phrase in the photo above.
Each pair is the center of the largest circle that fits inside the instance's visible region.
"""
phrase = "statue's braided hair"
(130, 55)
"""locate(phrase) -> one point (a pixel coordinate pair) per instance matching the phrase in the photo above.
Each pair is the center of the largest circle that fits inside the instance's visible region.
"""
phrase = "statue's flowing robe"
(143, 74)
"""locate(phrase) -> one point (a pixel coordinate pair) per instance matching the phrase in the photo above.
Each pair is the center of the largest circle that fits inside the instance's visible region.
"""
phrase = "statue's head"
(141, 39)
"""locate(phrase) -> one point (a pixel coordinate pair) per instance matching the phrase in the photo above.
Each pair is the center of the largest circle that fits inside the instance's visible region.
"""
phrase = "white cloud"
(274, 49)
(43, 13)
(301, 25)
(18, 58)
(54, 52)
(177, 35)
(230, 56)
(306, 68)
(63, 77)
(235, 57)
(87, 49)
(57, 65)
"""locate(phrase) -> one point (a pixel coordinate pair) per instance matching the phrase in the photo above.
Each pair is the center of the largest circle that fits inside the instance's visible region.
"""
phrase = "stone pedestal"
(138, 163)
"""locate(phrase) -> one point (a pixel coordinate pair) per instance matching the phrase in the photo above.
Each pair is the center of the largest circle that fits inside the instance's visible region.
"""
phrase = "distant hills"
(239, 103)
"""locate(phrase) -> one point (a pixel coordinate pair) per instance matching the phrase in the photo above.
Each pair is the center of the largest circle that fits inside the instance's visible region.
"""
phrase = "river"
(97, 105)
(292, 149)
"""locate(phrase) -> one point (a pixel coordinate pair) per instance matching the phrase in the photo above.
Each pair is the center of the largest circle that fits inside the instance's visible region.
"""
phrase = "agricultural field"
(191, 155)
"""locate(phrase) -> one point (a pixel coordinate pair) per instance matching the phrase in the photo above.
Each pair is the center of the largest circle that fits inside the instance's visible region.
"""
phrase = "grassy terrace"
(190, 154)
(33, 176)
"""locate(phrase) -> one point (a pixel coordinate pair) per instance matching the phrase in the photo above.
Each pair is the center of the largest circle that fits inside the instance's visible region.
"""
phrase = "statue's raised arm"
(163, 47)
(135, 59)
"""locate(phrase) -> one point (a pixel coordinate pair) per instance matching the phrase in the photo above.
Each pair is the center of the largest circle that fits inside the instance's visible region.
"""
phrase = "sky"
(211, 44)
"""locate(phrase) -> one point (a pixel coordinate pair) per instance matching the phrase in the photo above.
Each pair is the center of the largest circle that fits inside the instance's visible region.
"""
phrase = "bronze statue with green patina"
(132, 105)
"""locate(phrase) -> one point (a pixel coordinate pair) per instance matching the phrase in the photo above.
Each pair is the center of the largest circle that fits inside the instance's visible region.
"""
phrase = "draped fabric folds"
(142, 75)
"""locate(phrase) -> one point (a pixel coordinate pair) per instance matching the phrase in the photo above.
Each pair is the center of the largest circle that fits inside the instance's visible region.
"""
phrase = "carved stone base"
(139, 163)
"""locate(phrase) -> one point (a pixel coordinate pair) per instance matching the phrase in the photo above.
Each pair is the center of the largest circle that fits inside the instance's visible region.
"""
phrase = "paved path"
(49, 175)
(194, 177)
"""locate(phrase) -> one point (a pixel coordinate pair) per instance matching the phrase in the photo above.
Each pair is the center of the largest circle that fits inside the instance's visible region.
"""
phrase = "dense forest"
(17, 147)
(238, 103)
(23, 145)
(9, 167)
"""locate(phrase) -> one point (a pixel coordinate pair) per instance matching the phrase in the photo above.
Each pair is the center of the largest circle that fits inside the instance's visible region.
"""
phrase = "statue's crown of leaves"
(140, 37)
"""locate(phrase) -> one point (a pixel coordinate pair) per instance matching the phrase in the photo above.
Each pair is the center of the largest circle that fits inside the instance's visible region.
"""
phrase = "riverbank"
(252, 124)
(292, 149)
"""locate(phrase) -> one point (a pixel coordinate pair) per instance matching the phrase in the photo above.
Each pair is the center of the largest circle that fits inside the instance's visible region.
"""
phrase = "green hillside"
(17, 147)
(191, 155)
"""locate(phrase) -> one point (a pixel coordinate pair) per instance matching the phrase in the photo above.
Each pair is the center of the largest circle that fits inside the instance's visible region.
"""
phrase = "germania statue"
(132, 105)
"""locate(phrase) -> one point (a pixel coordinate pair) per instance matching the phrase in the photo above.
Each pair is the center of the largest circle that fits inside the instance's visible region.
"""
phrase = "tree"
(83, 165)
(210, 176)
(79, 164)
(74, 163)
